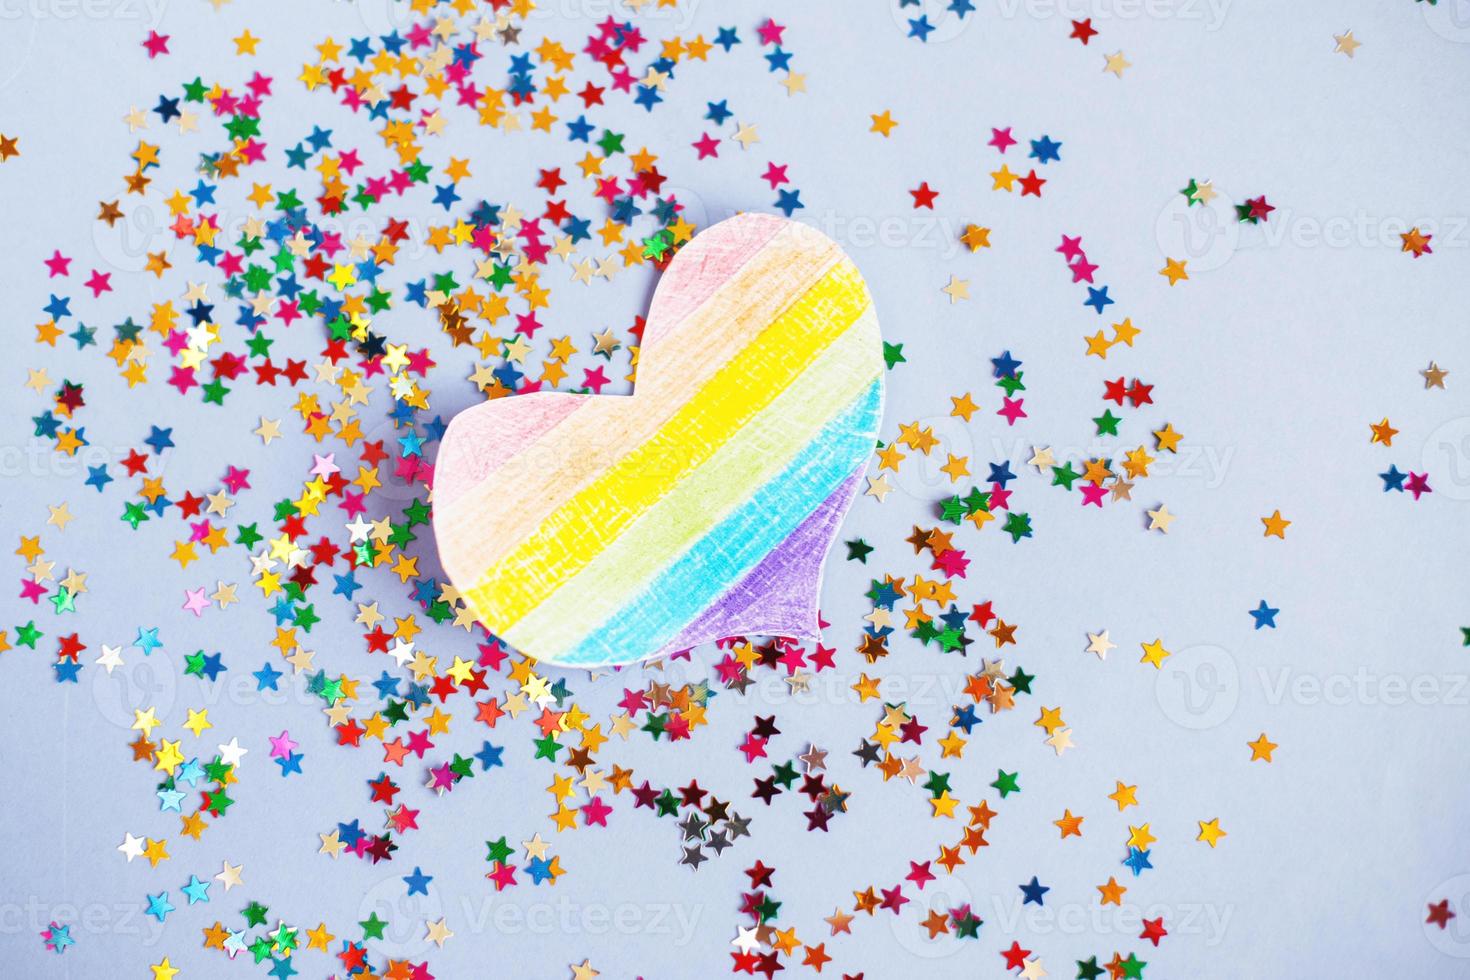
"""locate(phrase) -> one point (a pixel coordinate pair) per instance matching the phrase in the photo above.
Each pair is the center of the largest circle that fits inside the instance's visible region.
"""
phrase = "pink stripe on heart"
(463, 467)
(485, 446)
(706, 264)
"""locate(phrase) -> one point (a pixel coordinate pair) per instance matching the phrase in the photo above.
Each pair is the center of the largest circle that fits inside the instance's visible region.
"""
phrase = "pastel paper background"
(1339, 328)
(596, 530)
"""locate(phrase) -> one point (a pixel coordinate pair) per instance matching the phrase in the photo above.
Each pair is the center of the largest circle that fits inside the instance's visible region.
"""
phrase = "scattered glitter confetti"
(298, 267)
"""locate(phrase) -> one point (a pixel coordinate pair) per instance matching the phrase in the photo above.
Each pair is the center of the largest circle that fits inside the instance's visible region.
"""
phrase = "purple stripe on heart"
(774, 594)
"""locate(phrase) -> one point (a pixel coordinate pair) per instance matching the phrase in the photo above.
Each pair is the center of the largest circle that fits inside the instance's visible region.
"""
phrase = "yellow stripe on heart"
(530, 486)
(758, 452)
(581, 529)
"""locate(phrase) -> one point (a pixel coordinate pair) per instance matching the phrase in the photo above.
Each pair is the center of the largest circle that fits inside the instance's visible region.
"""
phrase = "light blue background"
(1272, 360)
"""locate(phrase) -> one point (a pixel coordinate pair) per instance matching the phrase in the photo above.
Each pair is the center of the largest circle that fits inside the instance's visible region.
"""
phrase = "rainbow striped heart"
(591, 531)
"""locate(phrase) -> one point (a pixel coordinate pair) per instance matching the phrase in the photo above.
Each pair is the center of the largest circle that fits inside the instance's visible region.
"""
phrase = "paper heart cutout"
(595, 530)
